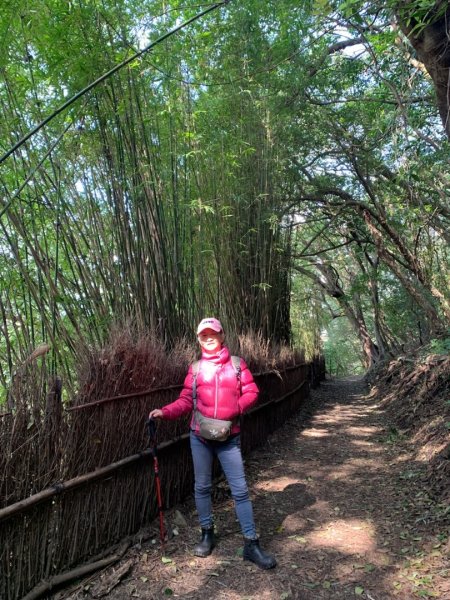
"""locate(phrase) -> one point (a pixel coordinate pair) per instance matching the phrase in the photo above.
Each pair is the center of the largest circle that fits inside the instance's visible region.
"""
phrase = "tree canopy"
(280, 164)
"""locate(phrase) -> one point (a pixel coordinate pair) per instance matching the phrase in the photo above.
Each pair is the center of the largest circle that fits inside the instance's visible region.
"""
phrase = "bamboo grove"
(280, 164)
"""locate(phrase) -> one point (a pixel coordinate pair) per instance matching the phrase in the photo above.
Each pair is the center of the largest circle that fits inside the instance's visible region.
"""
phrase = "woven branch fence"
(82, 478)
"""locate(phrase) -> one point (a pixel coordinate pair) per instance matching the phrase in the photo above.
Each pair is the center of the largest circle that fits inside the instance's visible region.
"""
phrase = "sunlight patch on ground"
(363, 431)
(427, 451)
(314, 432)
(400, 459)
(351, 471)
(352, 536)
(278, 484)
(369, 445)
(337, 416)
(364, 464)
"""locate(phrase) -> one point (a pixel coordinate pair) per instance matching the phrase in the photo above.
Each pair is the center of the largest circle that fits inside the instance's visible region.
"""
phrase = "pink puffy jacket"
(219, 394)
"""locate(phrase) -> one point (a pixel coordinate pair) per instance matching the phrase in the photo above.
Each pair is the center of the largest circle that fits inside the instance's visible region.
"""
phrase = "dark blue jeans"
(230, 457)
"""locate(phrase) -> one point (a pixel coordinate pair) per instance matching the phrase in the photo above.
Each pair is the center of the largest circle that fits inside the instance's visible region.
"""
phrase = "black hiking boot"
(253, 552)
(206, 544)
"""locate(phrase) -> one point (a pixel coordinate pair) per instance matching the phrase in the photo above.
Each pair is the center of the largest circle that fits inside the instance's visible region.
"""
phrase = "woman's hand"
(156, 413)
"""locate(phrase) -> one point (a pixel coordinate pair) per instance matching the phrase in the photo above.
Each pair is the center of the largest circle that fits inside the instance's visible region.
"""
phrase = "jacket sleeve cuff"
(166, 413)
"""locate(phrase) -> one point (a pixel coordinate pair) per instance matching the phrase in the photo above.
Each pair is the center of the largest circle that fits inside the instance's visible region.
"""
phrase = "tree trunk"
(370, 350)
(433, 49)
(420, 298)
(331, 286)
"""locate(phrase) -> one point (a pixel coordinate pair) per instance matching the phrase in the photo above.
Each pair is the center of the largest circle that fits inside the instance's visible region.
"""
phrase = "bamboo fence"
(80, 480)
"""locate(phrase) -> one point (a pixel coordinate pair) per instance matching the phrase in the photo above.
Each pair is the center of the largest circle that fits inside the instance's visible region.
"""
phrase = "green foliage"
(342, 350)
(230, 170)
(439, 345)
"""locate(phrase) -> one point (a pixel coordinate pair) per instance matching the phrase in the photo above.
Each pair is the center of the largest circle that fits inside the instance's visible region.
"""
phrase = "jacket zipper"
(216, 399)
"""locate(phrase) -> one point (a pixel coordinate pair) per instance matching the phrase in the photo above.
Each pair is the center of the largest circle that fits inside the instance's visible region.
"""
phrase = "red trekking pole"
(151, 430)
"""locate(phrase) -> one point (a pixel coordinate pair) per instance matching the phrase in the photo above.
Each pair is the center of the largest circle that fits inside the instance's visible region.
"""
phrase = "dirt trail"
(338, 499)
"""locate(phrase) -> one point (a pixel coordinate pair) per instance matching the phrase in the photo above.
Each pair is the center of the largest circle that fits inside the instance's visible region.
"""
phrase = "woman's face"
(210, 340)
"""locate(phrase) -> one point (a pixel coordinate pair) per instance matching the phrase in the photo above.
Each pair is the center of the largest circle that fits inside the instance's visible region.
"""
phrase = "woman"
(215, 388)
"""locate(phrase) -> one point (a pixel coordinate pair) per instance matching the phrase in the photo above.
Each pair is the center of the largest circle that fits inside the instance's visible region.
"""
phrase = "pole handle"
(151, 430)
